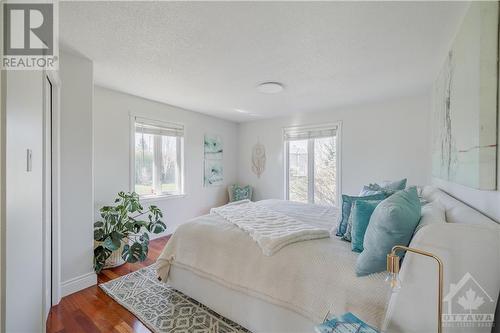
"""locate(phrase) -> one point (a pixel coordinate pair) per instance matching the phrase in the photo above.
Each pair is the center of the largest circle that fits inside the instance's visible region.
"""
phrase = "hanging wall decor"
(464, 126)
(258, 159)
(213, 174)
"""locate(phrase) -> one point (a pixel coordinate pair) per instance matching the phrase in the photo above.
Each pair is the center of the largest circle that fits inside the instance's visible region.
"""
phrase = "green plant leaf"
(101, 254)
(99, 234)
(112, 243)
(134, 253)
(145, 249)
(156, 212)
(144, 239)
(140, 224)
(134, 206)
(129, 226)
(98, 224)
(105, 209)
(157, 227)
(125, 251)
(116, 236)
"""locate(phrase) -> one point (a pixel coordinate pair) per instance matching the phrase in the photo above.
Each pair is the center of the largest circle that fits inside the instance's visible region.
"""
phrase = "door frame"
(52, 200)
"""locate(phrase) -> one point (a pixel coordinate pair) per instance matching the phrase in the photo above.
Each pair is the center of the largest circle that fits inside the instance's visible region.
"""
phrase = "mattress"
(307, 279)
(253, 313)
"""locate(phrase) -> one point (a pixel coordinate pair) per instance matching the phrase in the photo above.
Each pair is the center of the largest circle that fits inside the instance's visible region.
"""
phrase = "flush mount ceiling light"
(270, 87)
(248, 113)
(241, 111)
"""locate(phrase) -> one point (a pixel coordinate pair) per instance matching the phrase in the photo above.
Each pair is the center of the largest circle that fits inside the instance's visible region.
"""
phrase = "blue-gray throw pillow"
(347, 201)
(392, 223)
(387, 186)
(241, 193)
(361, 212)
(369, 190)
(347, 234)
(394, 185)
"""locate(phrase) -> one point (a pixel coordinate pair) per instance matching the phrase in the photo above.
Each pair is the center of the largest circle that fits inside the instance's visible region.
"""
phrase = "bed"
(218, 264)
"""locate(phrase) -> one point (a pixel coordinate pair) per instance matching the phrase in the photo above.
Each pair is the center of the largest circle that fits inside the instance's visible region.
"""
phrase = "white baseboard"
(78, 283)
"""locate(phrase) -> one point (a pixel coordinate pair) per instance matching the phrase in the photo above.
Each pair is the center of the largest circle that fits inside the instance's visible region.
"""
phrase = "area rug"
(163, 309)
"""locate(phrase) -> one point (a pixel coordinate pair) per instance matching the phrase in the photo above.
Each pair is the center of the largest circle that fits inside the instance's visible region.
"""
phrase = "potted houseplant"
(122, 234)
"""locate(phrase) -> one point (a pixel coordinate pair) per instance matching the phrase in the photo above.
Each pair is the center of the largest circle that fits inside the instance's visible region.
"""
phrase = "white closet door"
(24, 193)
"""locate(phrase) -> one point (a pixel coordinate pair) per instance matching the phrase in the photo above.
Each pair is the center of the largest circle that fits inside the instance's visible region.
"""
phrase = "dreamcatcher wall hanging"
(258, 159)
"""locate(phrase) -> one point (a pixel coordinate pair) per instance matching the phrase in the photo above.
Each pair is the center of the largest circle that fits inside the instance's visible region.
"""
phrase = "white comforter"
(272, 230)
(309, 277)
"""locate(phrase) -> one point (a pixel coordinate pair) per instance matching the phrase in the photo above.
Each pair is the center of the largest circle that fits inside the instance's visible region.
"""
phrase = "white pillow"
(432, 213)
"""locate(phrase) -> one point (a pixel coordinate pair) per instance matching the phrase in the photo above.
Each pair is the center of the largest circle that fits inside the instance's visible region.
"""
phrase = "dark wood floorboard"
(91, 310)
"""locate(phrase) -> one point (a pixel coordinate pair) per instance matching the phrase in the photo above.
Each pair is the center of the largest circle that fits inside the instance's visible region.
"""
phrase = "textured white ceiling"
(209, 56)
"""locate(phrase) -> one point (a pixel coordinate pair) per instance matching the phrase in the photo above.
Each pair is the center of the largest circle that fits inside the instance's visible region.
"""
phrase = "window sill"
(162, 197)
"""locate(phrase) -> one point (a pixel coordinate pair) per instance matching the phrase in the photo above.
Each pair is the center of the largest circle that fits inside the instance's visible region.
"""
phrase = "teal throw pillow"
(361, 212)
(347, 201)
(392, 223)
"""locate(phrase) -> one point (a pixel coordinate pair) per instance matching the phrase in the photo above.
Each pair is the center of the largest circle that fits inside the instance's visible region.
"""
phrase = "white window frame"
(180, 158)
(310, 159)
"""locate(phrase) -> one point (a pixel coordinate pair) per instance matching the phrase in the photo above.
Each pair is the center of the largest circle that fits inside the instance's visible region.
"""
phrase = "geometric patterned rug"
(163, 309)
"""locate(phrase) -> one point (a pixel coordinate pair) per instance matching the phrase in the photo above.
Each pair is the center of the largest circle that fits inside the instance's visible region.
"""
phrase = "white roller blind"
(304, 133)
(154, 127)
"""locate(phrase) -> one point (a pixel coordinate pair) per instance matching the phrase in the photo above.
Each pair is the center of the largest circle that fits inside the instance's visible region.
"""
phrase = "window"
(158, 158)
(312, 164)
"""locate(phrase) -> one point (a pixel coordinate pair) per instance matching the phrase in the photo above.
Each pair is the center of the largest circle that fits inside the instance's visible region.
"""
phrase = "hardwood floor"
(91, 310)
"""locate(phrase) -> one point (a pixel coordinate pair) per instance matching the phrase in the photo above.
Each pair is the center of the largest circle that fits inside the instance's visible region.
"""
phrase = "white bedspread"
(310, 277)
(271, 229)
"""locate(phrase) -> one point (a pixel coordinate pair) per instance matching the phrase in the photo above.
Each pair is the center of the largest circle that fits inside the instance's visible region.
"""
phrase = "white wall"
(2, 193)
(383, 140)
(76, 173)
(112, 153)
(24, 197)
